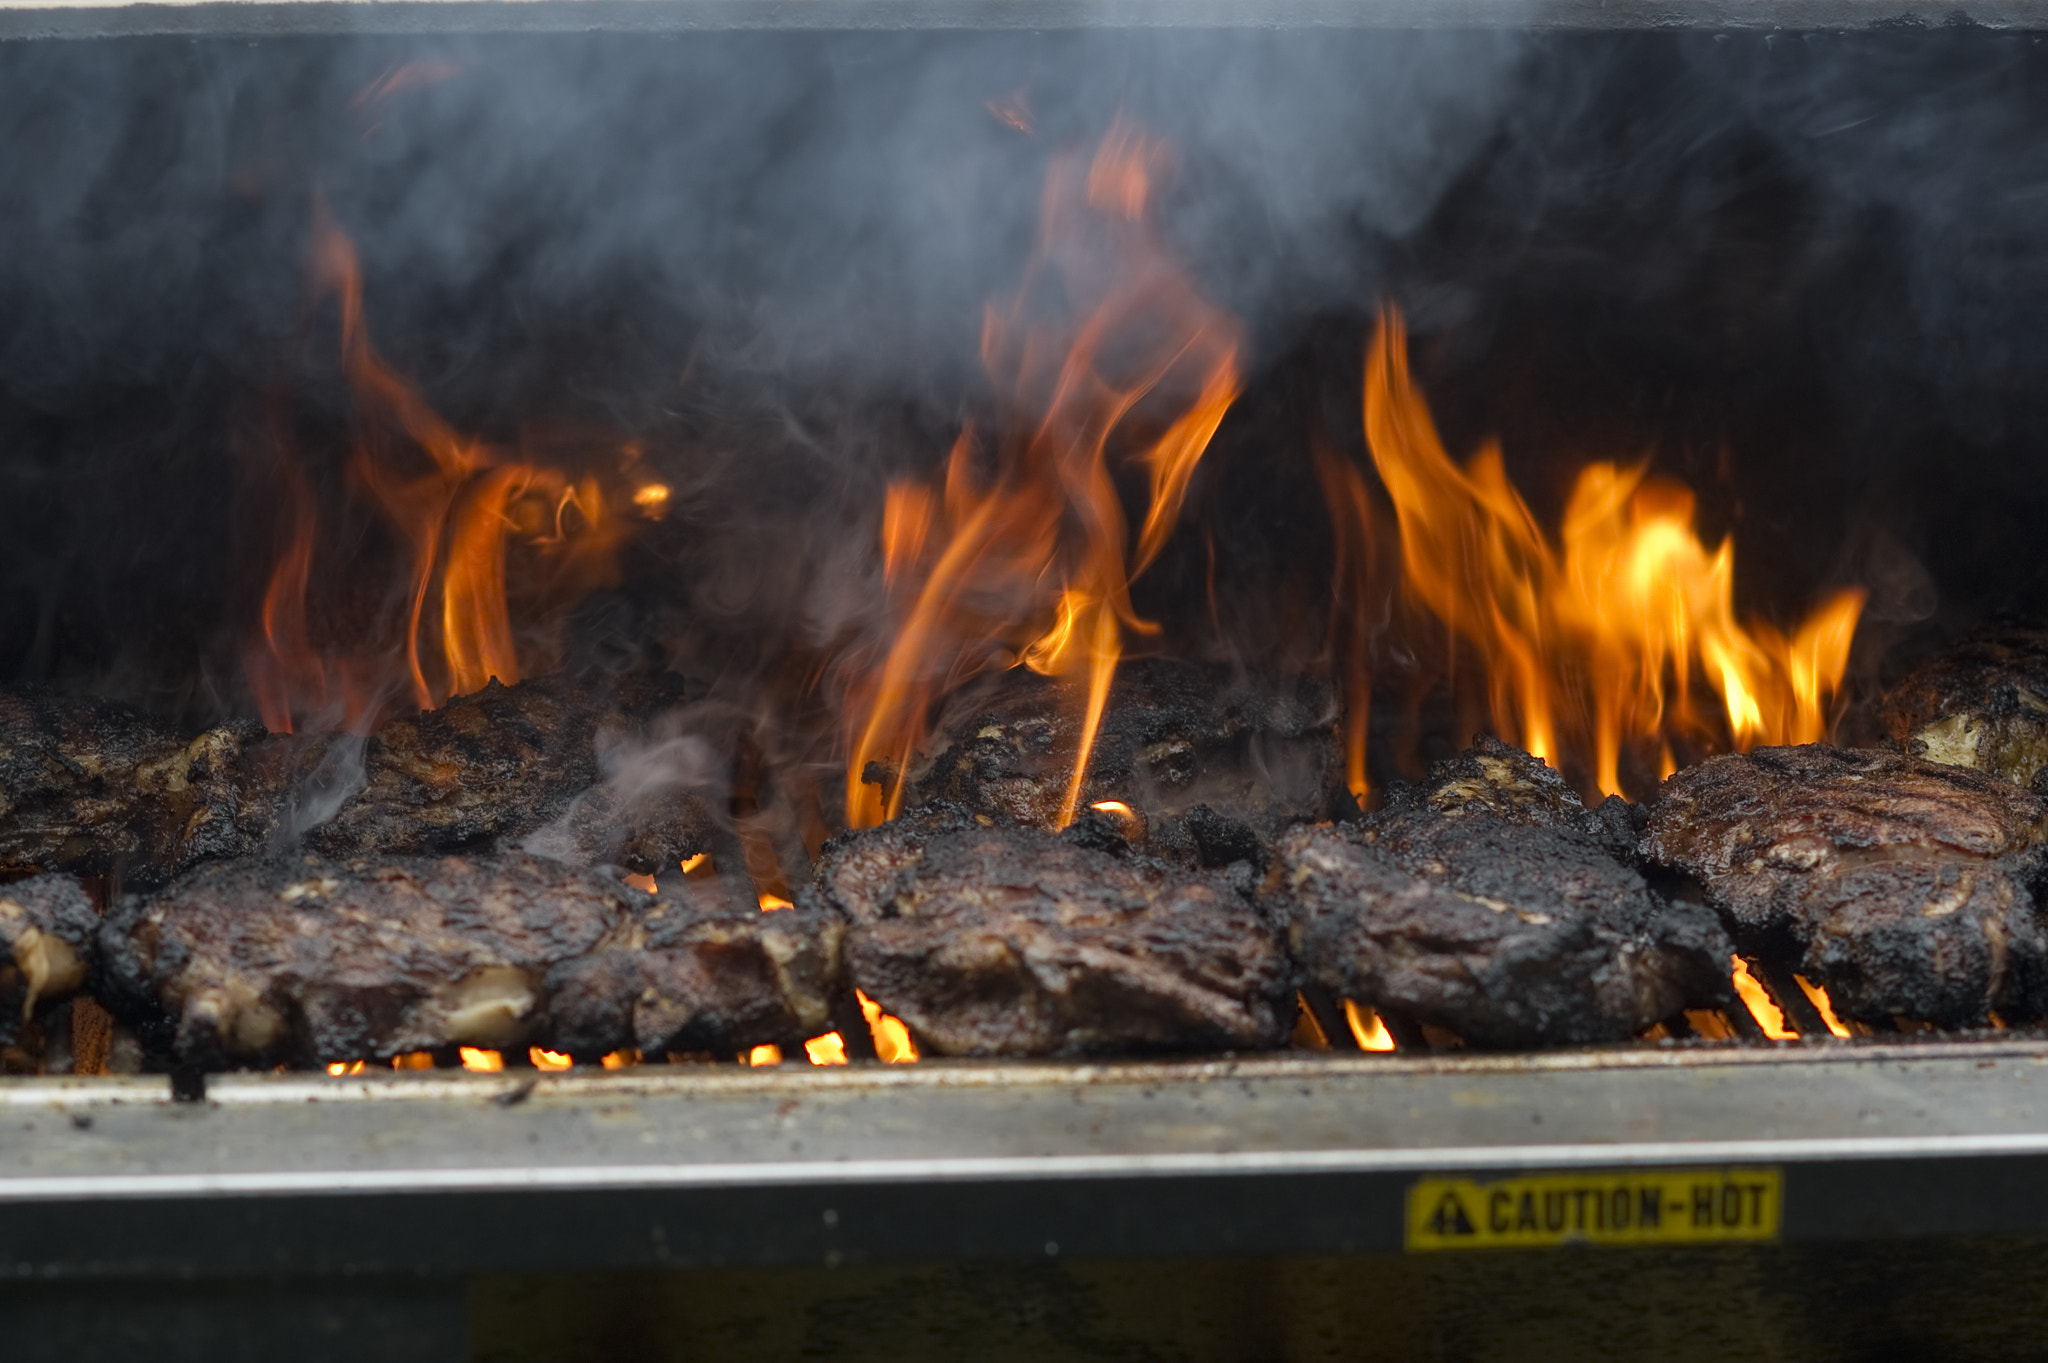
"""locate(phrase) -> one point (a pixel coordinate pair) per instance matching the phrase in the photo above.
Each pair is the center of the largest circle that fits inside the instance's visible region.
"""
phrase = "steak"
(46, 948)
(987, 938)
(1213, 766)
(90, 787)
(694, 975)
(302, 960)
(1901, 886)
(1490, 902)
(509, 761)
(1981, 702)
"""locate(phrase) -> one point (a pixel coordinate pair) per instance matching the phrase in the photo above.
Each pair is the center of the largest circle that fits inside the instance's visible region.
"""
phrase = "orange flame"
(1044, 540)
(892, 1039)
(1595, 645)
(457, 510)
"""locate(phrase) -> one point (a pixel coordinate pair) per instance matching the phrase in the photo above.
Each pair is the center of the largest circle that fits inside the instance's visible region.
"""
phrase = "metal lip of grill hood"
(277, 18)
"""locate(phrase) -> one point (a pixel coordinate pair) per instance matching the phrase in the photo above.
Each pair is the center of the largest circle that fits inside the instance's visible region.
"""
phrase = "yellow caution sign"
(1598, 1207)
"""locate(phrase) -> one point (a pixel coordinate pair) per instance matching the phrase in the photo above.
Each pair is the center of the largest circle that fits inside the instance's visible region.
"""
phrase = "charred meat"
(91, 787)
(299, 959)
(46, 947)
(694, 975)
(990, 939)
(509, 761)
(1982, 702)
(1901, 886)
(1489, 902)
(1211, 766)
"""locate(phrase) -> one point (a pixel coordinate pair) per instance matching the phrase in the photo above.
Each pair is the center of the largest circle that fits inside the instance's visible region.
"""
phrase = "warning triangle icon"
(1449, 1217)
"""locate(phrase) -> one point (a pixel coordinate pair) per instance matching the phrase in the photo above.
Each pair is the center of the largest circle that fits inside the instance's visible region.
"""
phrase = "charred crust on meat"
(1253, 755)
(1500, 781)
(90, 787)
(1489, 902)
(1981, 702)
(698, 976)
(1902, 886)
(47, 952)
(508, 761)
(301, 959)
(987, 938)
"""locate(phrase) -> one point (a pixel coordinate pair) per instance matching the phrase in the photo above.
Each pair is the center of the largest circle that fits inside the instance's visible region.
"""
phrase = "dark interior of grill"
(734, 288)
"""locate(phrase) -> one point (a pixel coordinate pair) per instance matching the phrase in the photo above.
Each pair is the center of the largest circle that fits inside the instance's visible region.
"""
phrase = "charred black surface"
(508, 761)
(1981, 702)
(1499, 782)
(46, 947)
(990, 939)
(300, 959)
(1214, 766)
(1489, 902)
(91, 787)
(1900, 885)
(694, 975)
(88, 787)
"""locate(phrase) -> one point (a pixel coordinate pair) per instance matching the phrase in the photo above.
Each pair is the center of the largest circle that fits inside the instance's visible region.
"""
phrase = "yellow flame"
(548, 1060)
(485, 1061)
(765, 1055)
(892, 1038)
(1822, 1003)
(829, 1049)
(1367, 1028)
(1759, 1004)
(1132, 348)
(1595, 641)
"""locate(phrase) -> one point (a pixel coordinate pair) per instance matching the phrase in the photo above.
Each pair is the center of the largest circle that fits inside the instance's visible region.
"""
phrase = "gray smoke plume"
(1806, 272)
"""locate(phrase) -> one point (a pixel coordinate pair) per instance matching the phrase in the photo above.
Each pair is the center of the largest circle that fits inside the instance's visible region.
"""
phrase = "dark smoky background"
(1804, 273)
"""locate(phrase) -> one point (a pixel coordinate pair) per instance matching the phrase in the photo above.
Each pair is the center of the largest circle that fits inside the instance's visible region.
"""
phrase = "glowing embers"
(1596, 643)
(1107, 367)
(1760, 1017)
(416, 599)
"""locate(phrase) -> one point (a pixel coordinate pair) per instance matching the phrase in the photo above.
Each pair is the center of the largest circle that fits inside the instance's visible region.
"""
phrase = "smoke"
(733, 243)
(332, 772)
(644, 796)
(1802, 272)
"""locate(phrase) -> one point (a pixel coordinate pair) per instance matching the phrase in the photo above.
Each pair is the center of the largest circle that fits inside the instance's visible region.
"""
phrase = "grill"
(410, 1214)
(367, 1206)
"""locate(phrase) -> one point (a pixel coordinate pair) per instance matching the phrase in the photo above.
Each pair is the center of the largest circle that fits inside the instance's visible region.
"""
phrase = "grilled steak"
(90, 787)
(1489, 902)
(1982, 702)
(990, 939)
(693, 975)
(1213, 767)
(1902, 886)
(508, 761)
(46, 947)
(298, 959)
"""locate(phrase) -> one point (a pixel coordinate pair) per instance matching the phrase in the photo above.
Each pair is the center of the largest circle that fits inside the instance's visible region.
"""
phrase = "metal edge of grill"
(1287, 1154)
